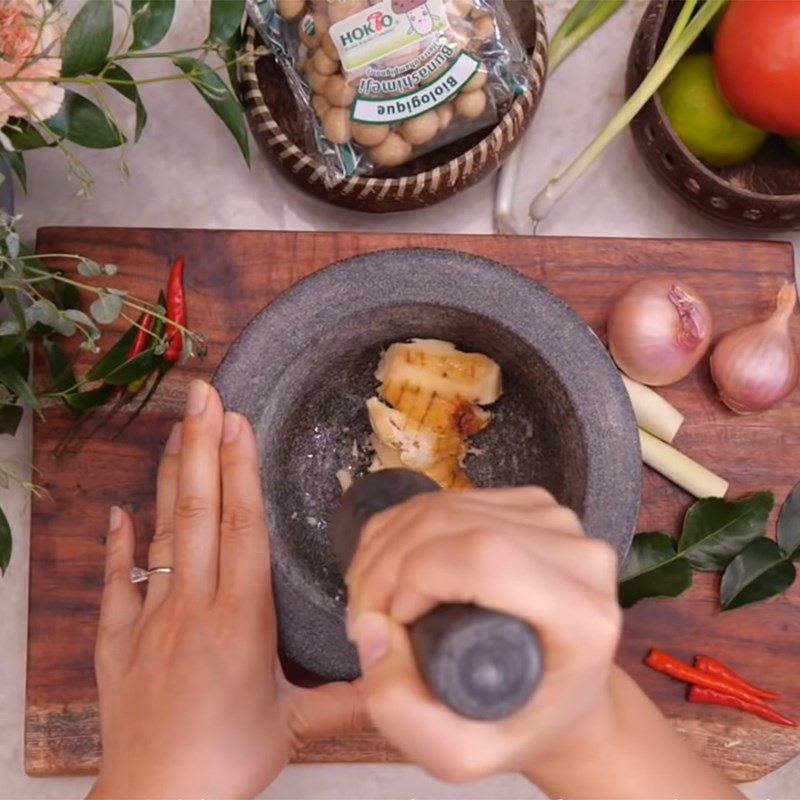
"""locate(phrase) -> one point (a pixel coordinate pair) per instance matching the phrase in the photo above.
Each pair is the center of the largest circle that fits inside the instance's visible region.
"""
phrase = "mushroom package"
(381, 82)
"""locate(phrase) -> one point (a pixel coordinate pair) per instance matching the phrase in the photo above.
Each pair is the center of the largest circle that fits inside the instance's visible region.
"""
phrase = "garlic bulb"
(756, 366)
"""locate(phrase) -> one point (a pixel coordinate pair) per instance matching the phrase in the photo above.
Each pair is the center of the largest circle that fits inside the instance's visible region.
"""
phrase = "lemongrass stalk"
(555, 189)
(680, 469)
(653, 413)
(504, 222)
(681, 21)
(585, 17)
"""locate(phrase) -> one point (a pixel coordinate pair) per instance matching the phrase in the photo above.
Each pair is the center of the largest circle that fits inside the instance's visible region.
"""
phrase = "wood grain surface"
(230, 276)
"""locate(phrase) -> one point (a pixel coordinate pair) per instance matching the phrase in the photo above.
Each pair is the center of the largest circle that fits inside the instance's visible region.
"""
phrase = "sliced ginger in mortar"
(428, 406)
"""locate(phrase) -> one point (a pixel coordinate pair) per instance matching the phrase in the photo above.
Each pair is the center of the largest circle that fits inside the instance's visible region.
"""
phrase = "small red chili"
(714, 667)
(701, 694)
(675, 668)
(139, 343)
(176, 311)
(138, 346)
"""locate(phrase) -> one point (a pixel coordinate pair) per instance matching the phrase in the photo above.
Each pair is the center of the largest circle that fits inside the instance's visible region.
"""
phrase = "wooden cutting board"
(230, 276)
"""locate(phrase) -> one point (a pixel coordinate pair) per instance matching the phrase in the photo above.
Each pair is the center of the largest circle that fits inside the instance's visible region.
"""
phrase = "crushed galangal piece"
(428, 405)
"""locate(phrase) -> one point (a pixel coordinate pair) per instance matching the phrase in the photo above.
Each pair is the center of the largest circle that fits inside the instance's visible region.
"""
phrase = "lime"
(794, 144)
(702, 119)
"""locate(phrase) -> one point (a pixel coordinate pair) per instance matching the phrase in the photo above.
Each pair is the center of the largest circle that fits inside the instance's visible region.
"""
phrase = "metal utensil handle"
(482, 664)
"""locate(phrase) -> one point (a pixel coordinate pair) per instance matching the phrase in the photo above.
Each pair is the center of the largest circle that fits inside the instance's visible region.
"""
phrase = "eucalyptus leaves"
(91, 62)
(718, 536)
(41, 304)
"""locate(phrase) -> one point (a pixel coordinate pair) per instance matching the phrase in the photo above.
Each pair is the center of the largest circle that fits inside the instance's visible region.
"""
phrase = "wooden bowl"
(762, 194)
(277, 127)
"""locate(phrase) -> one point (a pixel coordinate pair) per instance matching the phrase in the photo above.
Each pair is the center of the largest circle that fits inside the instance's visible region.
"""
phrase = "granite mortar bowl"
(303, 367)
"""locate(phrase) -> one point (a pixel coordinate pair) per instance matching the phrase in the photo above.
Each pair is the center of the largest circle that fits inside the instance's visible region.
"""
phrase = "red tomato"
(757, 62)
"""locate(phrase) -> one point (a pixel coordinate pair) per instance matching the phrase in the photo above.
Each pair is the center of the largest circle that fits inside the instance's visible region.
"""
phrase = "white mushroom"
(477, 81)
(336, 125)
(483, 27)
(392, 151)
(470, 105)
(445, 114)
(317, 81)
(290, 9)
(421, 129)
(323, 64)
(328, 47)
(369, 135)
(341, 9)
(339, 92)
(320, 104)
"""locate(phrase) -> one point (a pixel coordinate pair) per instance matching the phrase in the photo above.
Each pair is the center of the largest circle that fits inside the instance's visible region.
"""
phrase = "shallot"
(658, 331)
(756, 366)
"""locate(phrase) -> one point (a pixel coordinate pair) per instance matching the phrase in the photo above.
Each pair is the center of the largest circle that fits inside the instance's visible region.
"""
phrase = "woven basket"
(273, 118)
(761, 194)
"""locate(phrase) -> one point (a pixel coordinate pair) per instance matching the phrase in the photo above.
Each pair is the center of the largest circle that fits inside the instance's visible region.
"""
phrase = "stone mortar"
(303, 367)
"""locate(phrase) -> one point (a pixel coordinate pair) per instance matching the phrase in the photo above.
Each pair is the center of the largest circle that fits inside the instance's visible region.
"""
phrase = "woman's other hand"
(193, 701)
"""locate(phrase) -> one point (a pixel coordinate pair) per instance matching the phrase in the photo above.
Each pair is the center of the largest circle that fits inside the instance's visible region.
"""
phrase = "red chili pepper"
(138, 346)
(701, 694)
(176, 311)
(714, 667)
(675, 668)
(139, 343)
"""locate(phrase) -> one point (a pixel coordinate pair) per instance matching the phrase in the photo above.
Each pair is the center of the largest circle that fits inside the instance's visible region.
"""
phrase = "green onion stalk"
(685, 31)
(585, 17)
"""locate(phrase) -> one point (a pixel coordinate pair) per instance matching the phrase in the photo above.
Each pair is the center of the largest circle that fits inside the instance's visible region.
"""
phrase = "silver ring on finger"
(141, 575)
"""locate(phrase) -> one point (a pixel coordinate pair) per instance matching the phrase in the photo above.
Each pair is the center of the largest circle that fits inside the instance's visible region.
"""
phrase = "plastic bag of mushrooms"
(385, 81)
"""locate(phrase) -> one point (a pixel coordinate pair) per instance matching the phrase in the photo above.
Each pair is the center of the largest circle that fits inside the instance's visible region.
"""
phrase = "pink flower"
(30, 45)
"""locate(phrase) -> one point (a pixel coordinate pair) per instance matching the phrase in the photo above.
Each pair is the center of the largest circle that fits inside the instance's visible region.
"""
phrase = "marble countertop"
(186, 172)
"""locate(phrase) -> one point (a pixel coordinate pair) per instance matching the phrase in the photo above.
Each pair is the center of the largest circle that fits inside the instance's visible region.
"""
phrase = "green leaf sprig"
(759, 572)
(583, 19)
(789, 526)
(45, 305)
(718, 535)
(5, 543)
(92, 63)
(151, 22)
(764, 568)
(88, 38)
(42, 305)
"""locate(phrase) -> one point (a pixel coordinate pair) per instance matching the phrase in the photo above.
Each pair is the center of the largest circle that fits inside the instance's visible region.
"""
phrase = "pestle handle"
(482, 664)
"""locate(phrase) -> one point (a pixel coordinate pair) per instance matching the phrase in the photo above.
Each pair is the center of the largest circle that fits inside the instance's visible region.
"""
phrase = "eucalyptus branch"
(8, 474)
(149, 331)
(44, 304)
(111, 131)
(112, 120)
(129, 19)
(138, 54)
(75, 165)
(61, 394)
(92, 80)
(41, 275)
(142, 306)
